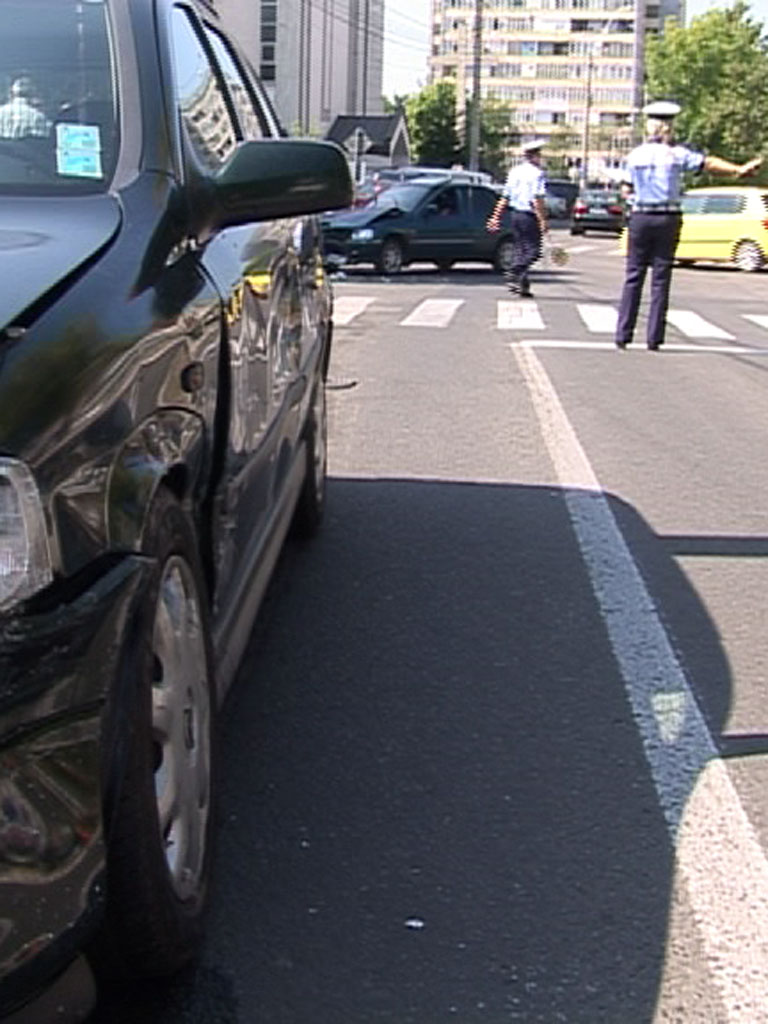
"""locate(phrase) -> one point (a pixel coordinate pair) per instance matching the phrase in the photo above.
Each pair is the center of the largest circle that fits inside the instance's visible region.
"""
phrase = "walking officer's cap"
(661, 109)
(534, 145)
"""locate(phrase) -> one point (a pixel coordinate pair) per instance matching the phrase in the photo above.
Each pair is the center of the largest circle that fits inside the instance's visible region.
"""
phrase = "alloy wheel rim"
(181, 712)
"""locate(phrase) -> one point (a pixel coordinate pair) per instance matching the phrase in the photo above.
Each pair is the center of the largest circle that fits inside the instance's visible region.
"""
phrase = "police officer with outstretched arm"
(654, 172)
(524, 193)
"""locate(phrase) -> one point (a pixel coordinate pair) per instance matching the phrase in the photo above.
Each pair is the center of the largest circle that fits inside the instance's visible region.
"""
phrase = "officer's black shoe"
(654, 346)
(526, 293)
(621, 344)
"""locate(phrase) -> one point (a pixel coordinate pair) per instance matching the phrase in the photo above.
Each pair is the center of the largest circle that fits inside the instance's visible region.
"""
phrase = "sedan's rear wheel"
(748, 256)
(391, 257)
(159, 845)
(504, 257)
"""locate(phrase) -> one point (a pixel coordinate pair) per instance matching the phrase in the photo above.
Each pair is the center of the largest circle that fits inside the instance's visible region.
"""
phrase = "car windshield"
(405, 197)
(58, 125)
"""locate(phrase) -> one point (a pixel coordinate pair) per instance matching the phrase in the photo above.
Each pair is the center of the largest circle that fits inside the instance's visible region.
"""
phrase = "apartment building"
(316, 58)
(572, 70)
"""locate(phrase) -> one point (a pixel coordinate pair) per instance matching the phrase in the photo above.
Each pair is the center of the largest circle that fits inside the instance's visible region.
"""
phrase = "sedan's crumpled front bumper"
(58, 667)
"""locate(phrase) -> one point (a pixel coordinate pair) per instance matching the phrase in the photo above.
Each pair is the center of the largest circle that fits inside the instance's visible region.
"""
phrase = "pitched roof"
(379, 130)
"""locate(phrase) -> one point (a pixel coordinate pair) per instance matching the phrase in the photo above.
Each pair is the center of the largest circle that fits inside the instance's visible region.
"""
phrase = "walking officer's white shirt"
(525, 182)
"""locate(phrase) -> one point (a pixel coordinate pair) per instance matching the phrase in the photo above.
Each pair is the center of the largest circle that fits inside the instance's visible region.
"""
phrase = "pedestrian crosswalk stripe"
(599, 319)
(347, 307)
(757, 318)
(608, 346)
(695, 326)
(432, 313)
(518, 316)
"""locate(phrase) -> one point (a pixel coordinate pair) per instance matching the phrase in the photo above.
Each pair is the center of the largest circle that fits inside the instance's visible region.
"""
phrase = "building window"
(268, 54)
(267, 72)
(268, 33)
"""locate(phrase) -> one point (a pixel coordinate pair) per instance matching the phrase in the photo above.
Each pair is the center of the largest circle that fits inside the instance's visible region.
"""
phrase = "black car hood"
(359, 218)
(44, 239)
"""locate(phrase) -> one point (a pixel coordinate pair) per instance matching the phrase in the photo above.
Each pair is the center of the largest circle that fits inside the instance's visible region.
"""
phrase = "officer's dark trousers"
(527, 235)
(652, 243)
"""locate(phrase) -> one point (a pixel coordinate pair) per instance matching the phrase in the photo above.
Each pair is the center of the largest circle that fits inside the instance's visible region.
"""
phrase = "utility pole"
(587, 115)
(477, 60)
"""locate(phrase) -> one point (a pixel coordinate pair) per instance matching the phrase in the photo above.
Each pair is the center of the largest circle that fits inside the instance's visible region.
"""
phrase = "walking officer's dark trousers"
(652, 243)
(527, 236)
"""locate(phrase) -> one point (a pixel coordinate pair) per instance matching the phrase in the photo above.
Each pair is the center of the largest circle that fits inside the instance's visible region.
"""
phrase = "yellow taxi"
(723, 224)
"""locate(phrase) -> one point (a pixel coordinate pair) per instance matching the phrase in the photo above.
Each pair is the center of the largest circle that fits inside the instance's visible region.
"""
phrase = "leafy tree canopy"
(431, 117)
(717, 70)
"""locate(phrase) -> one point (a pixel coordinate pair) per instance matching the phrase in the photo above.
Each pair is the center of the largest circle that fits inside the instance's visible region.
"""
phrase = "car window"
(724, 204)
(404, 197)
(447, 202)
(482, 202)
(58, 113)
(692, 204)
(253, 123)
(200, 99)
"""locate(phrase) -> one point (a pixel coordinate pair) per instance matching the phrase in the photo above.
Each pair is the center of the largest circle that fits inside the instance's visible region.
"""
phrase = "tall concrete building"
(572, 70)
(316, 58)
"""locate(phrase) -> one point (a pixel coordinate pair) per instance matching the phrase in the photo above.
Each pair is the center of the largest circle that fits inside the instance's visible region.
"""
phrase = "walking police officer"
(655, 169)
(524, 195)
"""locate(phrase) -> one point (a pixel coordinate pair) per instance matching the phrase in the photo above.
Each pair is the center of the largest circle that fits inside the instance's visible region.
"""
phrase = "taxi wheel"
(310, 507)
(160, 833)
(390, 259)
(748, 256)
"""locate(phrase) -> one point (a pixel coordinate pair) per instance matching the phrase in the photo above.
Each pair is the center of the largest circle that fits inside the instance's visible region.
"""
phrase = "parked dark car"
(598, 209)
(560, 197)
(433, 220)
(166, 324)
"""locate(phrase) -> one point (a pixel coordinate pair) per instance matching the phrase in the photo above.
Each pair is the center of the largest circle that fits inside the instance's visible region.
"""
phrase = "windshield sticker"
(78, 150)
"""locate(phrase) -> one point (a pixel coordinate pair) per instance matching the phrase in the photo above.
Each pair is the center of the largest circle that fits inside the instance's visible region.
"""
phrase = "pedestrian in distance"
(524, 194)
(654, 172)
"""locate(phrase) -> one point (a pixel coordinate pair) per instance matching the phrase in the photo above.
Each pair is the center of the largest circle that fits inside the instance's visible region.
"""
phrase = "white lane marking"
(608, 346)
(432, 313)
(574, 250)
(347, 307)
(719, 859)
(757, 318)
(599, 319)
(518, 316)
(695, 326)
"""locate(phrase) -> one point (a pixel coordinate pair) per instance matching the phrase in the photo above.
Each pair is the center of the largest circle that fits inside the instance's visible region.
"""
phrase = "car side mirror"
(272, 178)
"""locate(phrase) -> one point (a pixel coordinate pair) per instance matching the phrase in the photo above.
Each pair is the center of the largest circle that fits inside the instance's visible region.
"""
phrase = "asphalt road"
(497, 749)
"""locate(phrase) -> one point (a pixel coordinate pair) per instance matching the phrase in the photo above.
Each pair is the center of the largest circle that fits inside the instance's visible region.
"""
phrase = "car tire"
(504, 256)
(390, 259)
(444, 266)
(160, 829)
(748, 256)
(577, 231)
(310, 507)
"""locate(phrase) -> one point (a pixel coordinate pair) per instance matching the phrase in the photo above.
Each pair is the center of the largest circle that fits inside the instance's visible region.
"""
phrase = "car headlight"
(362, 235)
(25, 558)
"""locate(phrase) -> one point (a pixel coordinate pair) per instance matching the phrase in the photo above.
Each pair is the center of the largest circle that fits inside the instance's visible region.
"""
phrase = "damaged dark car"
(166, 331)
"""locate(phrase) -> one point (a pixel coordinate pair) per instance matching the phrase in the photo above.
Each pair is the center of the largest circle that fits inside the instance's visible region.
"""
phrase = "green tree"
(431, 117)
(717, 70)
(497, 133)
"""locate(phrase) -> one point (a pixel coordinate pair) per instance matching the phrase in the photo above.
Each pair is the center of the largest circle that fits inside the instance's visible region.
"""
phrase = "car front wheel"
(391, 257)
(159, 843)
(748, 256)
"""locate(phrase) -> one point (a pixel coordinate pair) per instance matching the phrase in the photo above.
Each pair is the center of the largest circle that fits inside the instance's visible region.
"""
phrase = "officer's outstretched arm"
(720, 166)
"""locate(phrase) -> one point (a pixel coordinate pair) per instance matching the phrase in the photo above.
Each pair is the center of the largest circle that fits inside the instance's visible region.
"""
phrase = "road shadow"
(435, 802)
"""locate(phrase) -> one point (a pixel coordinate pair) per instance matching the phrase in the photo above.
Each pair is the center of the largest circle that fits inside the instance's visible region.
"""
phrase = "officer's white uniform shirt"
(656, 168)
(525, 182)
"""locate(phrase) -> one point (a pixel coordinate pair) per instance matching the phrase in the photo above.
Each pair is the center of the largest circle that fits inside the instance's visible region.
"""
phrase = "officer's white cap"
(661, 109)
(534, 145)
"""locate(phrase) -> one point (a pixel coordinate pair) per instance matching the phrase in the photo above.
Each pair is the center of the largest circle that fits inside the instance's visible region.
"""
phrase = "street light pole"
(477, 54)
(587, 115)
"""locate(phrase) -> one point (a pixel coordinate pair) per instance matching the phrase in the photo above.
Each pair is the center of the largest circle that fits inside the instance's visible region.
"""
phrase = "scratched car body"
(166, 329)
